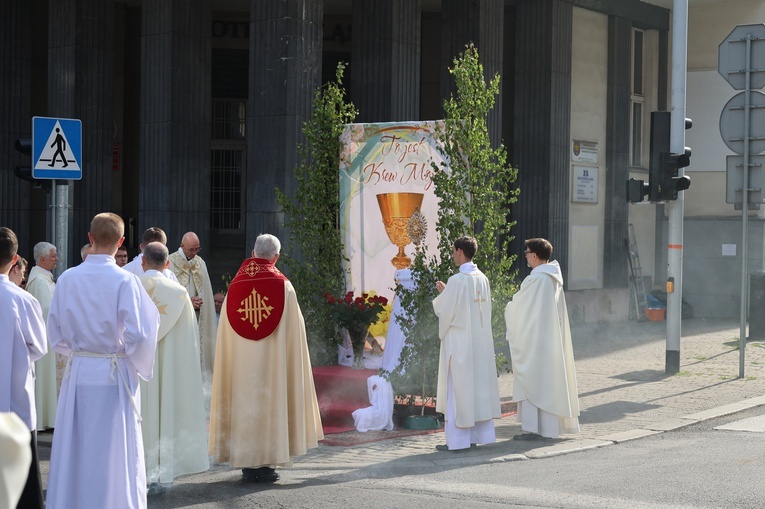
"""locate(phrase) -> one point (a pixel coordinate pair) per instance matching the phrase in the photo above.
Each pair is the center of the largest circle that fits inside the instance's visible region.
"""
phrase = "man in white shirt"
(152, 234)
(544, 383)
(22, 341)
(49, 369)
(103, 319)
(467, 392)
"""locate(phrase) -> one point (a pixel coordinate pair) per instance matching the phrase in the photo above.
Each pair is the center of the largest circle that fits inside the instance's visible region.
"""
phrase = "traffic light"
(663, 179)
(671, 183)
(636, 190)
(24, 145)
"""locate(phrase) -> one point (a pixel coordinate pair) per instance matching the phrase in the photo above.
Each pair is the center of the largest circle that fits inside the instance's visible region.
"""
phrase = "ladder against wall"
(636, 275)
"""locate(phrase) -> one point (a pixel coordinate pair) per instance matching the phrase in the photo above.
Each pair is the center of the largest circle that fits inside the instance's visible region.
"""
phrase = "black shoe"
(444, 447)
(529, 436)
(262, 474)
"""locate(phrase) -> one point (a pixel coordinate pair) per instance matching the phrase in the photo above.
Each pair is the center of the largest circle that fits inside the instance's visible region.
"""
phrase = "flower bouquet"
(355, 315)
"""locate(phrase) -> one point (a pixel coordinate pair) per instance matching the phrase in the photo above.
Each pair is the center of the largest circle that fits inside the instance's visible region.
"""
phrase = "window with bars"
(637, 100)
(227, 162)
(226, 189)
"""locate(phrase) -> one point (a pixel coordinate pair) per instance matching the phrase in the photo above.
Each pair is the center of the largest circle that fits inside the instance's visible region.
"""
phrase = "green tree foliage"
(475, 188)
(476, 184)
(314, 254)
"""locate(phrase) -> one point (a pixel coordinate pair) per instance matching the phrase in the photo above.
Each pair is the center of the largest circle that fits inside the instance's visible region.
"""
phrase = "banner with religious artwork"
(385, 172)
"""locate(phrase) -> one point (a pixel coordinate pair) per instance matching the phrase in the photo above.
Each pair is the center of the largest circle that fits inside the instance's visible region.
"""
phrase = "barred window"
(227, 160)
(229, 119)
(226, 189)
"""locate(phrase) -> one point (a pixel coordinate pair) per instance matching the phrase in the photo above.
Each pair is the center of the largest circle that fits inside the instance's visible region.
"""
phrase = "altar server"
(542, 354)
(102, 318)
(467, 392)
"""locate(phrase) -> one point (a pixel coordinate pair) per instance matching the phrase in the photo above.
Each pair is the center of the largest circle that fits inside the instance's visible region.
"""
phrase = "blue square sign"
(56, 148)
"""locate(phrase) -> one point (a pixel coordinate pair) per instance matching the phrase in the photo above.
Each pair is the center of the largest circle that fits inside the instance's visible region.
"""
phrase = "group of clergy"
(139, 356)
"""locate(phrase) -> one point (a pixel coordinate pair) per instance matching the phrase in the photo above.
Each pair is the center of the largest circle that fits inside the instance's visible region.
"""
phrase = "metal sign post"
(741, 61)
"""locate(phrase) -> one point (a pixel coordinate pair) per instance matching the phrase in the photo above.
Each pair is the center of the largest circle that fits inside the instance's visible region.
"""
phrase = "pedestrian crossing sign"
(56, 148)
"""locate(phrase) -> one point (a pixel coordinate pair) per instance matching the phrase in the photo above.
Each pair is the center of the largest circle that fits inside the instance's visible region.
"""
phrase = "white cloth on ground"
(379, 416)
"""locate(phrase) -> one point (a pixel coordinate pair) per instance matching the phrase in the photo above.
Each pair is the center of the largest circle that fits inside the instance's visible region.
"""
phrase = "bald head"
(190, 245)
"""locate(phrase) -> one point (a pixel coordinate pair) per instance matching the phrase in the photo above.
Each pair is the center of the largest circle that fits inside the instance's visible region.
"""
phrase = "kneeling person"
(172, 403)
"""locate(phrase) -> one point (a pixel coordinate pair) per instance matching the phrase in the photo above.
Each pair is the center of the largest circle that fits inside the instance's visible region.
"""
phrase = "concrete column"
(482, 23)
(541, 139)
(285, 69)
(176, 100)
(15, 118)
(617, 153)
(81, 85)
(385, 66)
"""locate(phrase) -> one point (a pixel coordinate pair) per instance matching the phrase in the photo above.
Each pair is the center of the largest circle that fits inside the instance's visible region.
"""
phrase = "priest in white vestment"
(172, 404)
(47, 380)
(102, 318)
(22, 341)
(191, 271)
(544, 383)
(468, 391)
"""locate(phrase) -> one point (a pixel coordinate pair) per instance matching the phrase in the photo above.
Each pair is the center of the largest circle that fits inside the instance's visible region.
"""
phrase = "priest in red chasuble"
(264, 408)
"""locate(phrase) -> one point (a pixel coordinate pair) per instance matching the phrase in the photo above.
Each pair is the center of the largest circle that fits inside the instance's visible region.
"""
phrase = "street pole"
(745, 212)
(62, 224)
(676, 208)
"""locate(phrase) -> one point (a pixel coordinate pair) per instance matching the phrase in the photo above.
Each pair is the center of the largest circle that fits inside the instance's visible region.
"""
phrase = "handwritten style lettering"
(376, 173)
(391, 143)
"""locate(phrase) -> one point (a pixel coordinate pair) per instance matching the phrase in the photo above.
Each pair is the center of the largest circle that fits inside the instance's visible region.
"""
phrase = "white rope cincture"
(115, 366)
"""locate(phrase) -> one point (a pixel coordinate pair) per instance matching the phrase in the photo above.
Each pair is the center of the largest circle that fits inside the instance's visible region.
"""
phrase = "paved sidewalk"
(624, 394)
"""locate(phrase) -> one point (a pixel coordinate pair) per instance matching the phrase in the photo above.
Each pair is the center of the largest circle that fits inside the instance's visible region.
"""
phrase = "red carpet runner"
(340, 391)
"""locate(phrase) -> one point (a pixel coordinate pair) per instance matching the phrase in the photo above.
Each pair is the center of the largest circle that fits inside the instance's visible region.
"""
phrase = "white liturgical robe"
(544, 383)
(16, 456)
(40, 284)
(467, 348)
(172, 403)
(22, 341)
(192, 274)
(103, 318)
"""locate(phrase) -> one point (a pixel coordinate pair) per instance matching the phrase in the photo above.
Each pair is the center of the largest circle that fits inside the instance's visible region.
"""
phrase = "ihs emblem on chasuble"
(255, 309)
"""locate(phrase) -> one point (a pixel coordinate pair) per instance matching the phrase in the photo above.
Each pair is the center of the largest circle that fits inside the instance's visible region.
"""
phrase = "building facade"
(192, 113)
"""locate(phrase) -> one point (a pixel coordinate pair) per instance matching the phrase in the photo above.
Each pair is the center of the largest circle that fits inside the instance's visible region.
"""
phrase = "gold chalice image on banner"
(396, 209)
